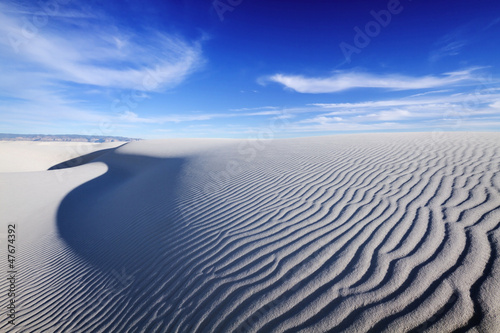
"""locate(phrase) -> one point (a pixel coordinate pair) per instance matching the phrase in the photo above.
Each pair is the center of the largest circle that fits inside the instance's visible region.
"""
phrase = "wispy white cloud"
(478, 110)
(479, 97)
(451, 44)
(438, 111)
(431, 92)
(321, 120)
(435, 111)
(132, 117)
(256, 108)
(52, 9)
(341, 81)
(452, 48)
(101, 57)
(49, 67)
(492, 23)
(278, 114)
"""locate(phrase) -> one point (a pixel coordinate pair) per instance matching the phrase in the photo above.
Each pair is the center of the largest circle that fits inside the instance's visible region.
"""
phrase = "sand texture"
(348, 233)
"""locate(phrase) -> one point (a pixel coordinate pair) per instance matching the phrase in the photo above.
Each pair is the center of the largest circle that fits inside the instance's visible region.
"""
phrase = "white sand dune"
(350, 233)
(22, 156)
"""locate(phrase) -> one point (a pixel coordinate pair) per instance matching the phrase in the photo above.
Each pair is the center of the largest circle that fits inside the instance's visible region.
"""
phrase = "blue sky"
(243, 68)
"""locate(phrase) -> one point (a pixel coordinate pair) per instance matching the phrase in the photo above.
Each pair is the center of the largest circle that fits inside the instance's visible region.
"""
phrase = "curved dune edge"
(354, 233)
(29, 156)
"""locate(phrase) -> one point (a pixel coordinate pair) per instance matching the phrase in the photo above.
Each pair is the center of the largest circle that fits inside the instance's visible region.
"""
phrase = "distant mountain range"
(64, 138)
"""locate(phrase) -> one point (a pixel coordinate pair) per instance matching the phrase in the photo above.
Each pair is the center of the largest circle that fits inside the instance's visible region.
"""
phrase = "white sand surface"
(348, 233)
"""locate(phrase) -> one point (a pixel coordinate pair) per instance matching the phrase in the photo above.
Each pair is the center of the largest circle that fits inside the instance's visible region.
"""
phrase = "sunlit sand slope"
(354, 233)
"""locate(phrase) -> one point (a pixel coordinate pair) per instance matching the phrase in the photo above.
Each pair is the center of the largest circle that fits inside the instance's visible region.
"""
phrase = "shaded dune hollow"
(349, 233)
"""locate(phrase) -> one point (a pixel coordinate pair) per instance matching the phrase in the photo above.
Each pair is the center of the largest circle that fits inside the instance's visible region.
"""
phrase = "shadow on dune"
(81, 159)
(121, 220)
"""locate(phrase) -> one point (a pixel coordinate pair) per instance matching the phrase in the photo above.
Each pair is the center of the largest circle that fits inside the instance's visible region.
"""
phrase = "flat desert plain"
(346, 233)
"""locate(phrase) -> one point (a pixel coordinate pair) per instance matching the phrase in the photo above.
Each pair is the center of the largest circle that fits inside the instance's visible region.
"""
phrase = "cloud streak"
(449, 45)
(342, 81)
(100, 56)
(459, 111)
